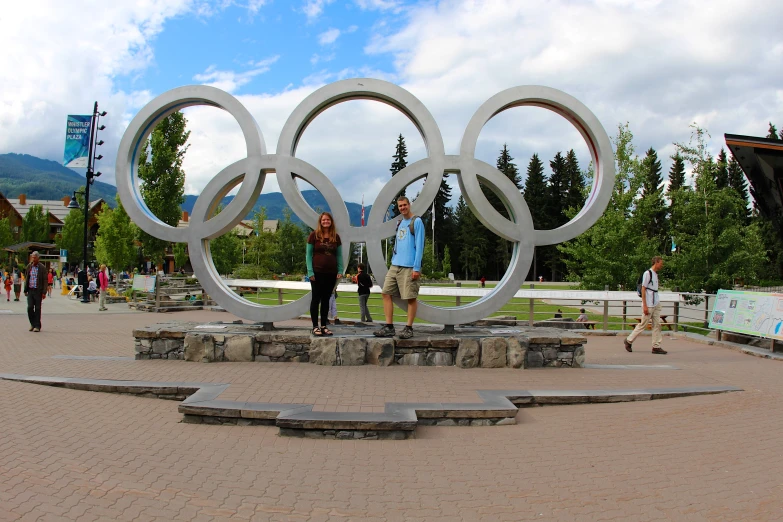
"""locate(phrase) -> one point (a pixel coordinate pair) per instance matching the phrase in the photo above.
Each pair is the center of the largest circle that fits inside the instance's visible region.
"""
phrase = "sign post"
(77, 141)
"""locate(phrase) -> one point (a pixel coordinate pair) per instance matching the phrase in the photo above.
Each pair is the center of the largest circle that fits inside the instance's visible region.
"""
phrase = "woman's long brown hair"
(327, 235)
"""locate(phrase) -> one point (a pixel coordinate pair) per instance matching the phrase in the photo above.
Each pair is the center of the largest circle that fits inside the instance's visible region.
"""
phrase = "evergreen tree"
(162, 178)
(505, 164)
(6, 232)
(71, 236)
(399, 163)
(444, 219)
(181, 256)
(536, 193)
(473, 240)
(722, 171)
(35, 225)
(446, 261)
(558, 191)
(114, 245)
(676, 174)
(575, 194)
(737, 182)
(651, 208)
(772, 132)
(292, 242)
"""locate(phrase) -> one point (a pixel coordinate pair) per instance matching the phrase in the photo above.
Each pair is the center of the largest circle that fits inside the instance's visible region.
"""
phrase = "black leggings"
(322, 291)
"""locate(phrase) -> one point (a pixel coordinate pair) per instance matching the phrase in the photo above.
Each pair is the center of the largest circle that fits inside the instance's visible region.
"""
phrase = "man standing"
(651, 308)
(35, 289)
(402, 279)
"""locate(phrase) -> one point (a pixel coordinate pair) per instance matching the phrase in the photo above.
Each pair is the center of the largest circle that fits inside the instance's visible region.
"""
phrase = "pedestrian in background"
(17, 280)
(103, 281)
(364, 282)
(49, 281)
(35, 291)
(8, 284)
(651, 309)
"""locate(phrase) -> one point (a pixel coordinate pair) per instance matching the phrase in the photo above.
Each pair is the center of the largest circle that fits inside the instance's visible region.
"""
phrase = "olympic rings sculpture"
(251, 172)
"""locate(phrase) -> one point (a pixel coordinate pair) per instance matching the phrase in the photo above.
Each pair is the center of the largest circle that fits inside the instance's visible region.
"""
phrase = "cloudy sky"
(659, 65)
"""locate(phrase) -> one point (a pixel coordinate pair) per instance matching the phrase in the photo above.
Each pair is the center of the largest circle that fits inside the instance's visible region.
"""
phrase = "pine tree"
(575, 195)
(737, 182)
(506, 165)
(772, 133)
(399, 163)
(162, 177)
(676, 174)
(473, 240)
(721, 171)
(558, 190)
(536, 193)
(651, 208)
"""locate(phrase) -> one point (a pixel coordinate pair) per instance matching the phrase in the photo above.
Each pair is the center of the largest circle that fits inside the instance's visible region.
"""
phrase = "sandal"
(317, 332)
(326, 331)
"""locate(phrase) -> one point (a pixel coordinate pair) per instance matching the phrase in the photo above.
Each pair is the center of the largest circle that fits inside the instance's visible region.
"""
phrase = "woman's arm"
(339, 260)
(309, 258)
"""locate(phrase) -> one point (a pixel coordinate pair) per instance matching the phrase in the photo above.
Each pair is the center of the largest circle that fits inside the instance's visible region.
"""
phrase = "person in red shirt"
(50, 281)
(103, 283)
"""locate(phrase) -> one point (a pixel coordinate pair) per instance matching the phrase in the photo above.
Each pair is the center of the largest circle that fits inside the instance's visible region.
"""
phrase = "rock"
(323, 351)
(468, 353)
(579, 357)
(263, 358)
(493, 352)
(161, 346)
(439, 359)
(549, 352)
(534, 359)
(447, 342)
(516, 353)
(420, 342)
(199, 347)
(506, 421)
(238, 348)
(272, 349)
(380, 351)
(291, 338)
(570, 339)
(352, 352)
(413, 359)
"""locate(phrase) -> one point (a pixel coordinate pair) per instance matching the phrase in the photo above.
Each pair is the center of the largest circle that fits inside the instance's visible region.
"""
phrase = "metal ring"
(587, 125)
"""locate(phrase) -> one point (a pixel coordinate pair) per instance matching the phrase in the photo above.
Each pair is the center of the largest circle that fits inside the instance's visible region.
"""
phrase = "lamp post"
(91, 175)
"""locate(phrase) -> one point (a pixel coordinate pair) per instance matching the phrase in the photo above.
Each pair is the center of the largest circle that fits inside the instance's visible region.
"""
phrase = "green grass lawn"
(348, 307)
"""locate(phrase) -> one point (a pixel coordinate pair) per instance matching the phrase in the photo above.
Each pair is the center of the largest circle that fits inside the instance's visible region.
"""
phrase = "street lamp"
(91, 175)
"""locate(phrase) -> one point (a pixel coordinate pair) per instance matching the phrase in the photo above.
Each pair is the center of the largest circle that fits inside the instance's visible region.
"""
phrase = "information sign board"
(750, 313)
(144, 283)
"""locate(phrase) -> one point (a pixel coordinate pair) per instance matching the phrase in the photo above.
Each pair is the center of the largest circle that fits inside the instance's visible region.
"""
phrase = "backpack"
(410, 225)
(639, 282)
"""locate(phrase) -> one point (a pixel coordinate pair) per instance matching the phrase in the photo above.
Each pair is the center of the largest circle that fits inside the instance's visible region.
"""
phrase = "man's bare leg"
(413, 304)
(388, 308)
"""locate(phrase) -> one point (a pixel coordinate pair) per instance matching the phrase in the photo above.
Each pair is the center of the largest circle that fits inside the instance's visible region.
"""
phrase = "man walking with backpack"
(651, 308)
(403, 278)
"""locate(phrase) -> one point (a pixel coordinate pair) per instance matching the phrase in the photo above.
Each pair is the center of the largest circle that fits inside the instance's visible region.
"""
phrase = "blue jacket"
(409, 250)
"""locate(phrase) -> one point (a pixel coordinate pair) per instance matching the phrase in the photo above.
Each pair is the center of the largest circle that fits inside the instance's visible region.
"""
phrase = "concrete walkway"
(79, 455)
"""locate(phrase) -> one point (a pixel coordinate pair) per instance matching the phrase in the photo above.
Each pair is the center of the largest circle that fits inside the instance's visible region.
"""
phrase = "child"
(8, 283)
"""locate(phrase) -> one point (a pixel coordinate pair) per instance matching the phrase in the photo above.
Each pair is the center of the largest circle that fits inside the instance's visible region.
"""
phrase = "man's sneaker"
(628, 346)
(386, 331)
(659, 351)
(406, 333)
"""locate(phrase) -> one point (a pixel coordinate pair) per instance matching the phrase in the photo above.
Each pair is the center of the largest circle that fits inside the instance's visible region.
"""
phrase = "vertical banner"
(77, 141)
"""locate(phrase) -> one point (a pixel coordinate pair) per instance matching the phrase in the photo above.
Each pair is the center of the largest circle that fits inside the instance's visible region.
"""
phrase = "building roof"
(56, 208)
(30, 245)
(762, 161)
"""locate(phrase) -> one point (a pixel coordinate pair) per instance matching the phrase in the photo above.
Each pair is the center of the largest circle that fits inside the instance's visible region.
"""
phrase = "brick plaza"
(78, 455)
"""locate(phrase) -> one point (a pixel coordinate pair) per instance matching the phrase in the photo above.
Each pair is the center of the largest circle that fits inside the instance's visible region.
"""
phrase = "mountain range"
(44, 179)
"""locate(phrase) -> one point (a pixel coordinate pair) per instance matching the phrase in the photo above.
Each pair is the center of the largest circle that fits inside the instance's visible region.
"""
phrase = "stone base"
(348, 434)
(468, 348)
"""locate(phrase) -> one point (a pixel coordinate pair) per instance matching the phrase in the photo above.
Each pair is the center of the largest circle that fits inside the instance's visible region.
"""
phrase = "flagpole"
(361, 245)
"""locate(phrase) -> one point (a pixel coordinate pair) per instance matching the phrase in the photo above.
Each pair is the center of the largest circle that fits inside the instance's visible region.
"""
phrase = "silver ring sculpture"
(251, 172)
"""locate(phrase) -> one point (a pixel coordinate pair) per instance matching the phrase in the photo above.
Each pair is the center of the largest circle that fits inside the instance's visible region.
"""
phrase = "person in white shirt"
(651, 308)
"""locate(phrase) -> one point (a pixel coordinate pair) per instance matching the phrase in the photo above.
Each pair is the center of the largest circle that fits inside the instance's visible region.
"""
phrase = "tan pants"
(655, 317)
(102, 299)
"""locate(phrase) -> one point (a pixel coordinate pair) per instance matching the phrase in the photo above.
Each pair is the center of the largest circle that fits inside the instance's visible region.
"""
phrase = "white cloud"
(329, 36)
(314, 8)
(379, 5)
(232, 80)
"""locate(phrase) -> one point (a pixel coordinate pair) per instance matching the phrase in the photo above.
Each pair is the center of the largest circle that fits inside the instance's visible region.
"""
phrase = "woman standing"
(324, 262)
(103, 283)
(17, 280)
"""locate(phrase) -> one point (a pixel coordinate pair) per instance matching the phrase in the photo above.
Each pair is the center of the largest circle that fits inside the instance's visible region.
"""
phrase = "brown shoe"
(659, 351)
(628, 347)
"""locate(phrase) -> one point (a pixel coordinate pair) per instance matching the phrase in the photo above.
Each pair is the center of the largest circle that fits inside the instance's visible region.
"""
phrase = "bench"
(664, 323)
